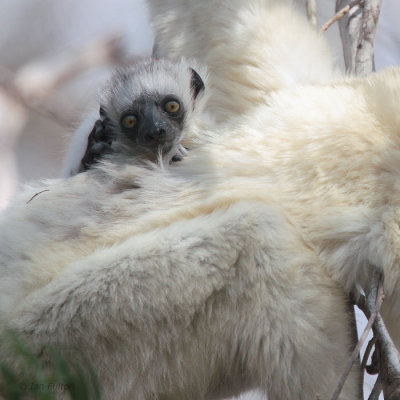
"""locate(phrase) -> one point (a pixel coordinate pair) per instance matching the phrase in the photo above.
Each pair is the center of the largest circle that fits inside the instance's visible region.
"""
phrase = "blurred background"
(55, 55)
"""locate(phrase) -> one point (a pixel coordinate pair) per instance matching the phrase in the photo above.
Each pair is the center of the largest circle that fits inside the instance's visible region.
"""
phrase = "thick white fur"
(203, 308)
(250, 48)
(77, 148)
(248, 61)
(207, 276)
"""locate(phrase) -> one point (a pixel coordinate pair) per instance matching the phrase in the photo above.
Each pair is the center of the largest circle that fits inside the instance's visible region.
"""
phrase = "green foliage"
(30, 378)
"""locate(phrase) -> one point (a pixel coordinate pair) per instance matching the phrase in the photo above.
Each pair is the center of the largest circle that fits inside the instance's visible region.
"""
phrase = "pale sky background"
(32, 146)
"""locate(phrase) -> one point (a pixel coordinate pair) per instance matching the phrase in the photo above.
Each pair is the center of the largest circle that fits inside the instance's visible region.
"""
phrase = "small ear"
(196, 84)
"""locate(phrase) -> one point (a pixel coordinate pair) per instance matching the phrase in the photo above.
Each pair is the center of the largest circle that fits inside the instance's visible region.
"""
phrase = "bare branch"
(388, 360)
(377, 389)
(354, 356)
(311, 7)
(388, 357)
(365, 49)
(350, 27)
(371, 344)
(357, 30)
(376, 285)
(340, 14)
(363, 365)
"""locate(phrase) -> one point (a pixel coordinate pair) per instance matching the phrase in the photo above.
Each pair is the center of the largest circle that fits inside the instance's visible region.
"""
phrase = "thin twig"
(364, 361)
(353, 357)
(340, 14)
(370, 345)
(377, 283)
(37, 194)
(388, 357)
(376, 390)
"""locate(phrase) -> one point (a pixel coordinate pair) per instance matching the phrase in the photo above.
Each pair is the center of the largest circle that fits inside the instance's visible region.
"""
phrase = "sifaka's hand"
(99, 143)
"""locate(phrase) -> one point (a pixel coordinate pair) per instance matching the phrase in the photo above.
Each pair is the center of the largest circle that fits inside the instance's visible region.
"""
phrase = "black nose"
(155, 134)
(160, 131)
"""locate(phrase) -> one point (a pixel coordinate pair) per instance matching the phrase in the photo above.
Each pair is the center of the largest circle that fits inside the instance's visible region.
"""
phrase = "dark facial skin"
(157, 122)
(155, 125)
(155, 128)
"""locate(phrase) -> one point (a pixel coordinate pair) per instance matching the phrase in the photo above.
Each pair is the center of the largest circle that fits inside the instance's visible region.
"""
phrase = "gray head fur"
(143, 91)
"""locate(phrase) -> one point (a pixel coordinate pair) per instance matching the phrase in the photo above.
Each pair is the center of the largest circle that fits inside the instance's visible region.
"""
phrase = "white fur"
(249, 47)
(203, 308)
(331, 150)
(77, 148)
(206, 278)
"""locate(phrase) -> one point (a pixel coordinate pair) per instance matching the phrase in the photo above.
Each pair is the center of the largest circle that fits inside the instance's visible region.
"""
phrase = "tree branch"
(370, 345)
(376, 287)
(364, 62)
(388, 361)
(357, 31)
(388, 357)
(340, 14)
(376, 390)
(349, 27)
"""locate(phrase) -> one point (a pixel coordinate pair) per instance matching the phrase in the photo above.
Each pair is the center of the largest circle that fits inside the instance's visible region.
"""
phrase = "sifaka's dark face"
(154, 122)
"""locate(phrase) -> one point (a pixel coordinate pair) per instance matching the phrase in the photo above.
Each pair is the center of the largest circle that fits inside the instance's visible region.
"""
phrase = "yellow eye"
(171, 106)
(129, 121)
